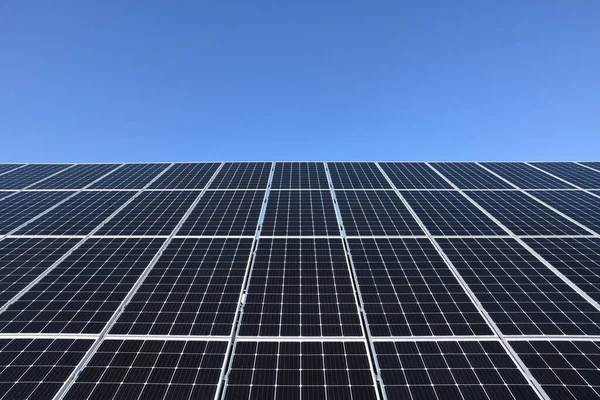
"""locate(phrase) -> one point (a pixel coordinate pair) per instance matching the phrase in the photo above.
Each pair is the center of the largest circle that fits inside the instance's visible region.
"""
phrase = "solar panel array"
(300, 280)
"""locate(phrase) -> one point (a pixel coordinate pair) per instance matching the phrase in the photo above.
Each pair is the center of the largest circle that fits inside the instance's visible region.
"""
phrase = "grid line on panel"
(77, 177)
(300, 213)
(469, 176)
(131, 176)
(581, 206)
(299, 175)
(225, 213)
(577, 175)
(368, 213)
(356, 175)
(523, 176)
(412, 175)
(30, 174)
(243, 175)
(300, 370)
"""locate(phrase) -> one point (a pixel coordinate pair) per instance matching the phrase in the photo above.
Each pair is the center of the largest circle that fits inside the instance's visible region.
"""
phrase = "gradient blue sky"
(131, 80)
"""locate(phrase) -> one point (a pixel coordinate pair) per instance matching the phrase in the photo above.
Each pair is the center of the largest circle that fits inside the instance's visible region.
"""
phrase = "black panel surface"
(306, 371)
(470, 176)
(581, 206)
(299, 175)
(575, 174)
(523, 215)
(130, 176)
(220, 212)
(193, 289)
(525, 176)
(151, 369)
(29, 174)
(37, 368)
(77, 177)
(356, 175)
(450, 370)
(300, 287)
(370, 213)
(151, 213)
(21, 207)
(81, 294)
(300, 213)
(408, 175)
(79, 215)
(8, 167)
(242, 176)
(23, 260)
(450, 213)
(521, 295)
(186, 176)
(408, 290)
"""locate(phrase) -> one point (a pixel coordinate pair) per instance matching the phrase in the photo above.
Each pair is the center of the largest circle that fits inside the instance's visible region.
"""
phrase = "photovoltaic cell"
(356, 175)
(525, 176)
(450, 213)
(77, 177)
(37, 368)
(565, 369)
(79, 215)
(594, 165)
(521, 295)
(186, 176)
(81, 294)
(300, 213)
(242, 176)
(470, 176)
(523, 215)
(408, 290)
(130, 176)
(151, 213)
(410, 175)
(450, 370)
(8, 167)
(300, 370)
(23, 206)
(576, 258)
(369, 213)
(220, 212)
(26, 176)
(151, 369)
(300, 287)
(581, 206)
(193, 289)
(581, 176)
(23, 260)
(299, 175)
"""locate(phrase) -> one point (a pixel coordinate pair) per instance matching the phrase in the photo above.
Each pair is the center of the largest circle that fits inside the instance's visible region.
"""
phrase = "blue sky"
(109, 80)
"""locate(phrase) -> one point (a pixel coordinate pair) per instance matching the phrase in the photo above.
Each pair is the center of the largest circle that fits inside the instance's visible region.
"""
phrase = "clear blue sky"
(287, 80)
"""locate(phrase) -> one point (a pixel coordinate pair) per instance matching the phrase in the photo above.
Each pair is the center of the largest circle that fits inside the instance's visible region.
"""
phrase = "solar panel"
(300, 213)
(521, 295)
(81, 293)
(450, 213)
(450, 370)
(305, 370)
(470, 176)
(37, 368)
(576, 258)
(222, 212)
(356, 175)
(523, 215)
(23, 206)
(408, 290)
(4, 168)
(414, 176)
(566, 369)
(151, 213)
(581, 176)
(79, 215)
(76, 177)
(581, 206)
(22, 260)
(130, 176)
(594, 165)
(186, 176)
(300, 287)
(242, 176)
(29, 174)
(369, 213)
(193, 289)
(300, 175)
(526, 177)
(151, 369)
